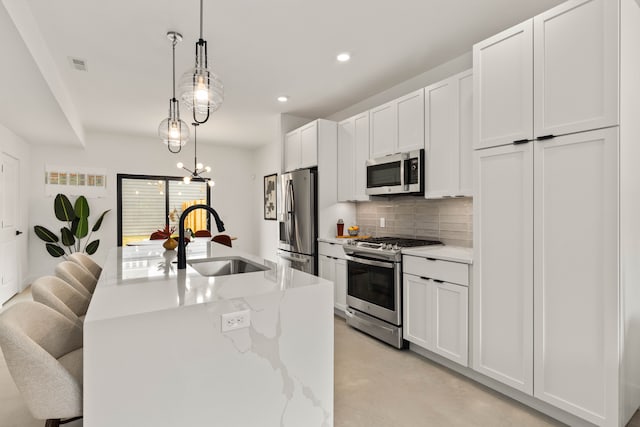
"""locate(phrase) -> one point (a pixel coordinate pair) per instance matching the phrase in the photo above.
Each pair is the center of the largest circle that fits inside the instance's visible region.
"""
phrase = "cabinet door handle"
(424, 278)
(431, 259)
(438, 281)
(18, 232)
(543, 137)
(520, 141)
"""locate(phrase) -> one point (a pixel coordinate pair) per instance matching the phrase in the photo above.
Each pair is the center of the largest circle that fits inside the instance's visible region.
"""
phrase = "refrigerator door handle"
(292, 214)
(292, 259)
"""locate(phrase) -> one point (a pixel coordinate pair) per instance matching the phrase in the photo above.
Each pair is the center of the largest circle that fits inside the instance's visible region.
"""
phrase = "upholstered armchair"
(43, 351)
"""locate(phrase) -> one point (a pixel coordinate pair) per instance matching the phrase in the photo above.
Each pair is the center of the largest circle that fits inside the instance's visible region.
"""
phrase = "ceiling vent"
(78, 64)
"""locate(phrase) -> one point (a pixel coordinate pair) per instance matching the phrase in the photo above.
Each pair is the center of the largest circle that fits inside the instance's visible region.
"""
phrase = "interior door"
(9, 186)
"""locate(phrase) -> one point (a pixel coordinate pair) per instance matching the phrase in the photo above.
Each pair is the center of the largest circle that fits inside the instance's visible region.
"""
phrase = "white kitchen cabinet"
(353, 152)
(410, 113)
(333, 266)
(384, 129)
(561, 68)
(292, 151)
(503, 265)
(340, 289)
(397, 126)
(450, 321)
(448, 137)
(301, 145)
(583, 303)
(435, 312)
(503, 87)
(576, 67)
(309, 145)
(418, 298)
(576, 272)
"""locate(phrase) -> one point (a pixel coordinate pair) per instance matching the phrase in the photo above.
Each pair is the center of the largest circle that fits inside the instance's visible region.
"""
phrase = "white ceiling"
(260, 49)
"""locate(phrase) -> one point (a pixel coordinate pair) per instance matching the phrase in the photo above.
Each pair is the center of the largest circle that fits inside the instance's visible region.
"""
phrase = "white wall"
(268, 160)
(456, 65)
(231, 197)
(17, 147)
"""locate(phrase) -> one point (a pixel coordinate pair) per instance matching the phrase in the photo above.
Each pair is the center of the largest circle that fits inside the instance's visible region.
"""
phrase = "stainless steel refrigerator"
(299, 220)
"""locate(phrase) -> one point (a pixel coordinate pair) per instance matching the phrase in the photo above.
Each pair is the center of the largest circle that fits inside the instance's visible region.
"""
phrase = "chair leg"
(52, 423)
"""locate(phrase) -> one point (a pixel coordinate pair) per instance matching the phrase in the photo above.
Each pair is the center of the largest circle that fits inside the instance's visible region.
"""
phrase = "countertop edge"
(445, 253)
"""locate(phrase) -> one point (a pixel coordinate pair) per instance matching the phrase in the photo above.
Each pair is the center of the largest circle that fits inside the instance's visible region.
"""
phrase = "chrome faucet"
(182, 250)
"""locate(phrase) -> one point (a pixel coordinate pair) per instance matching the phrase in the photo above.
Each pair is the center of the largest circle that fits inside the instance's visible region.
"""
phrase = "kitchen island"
(169, 347)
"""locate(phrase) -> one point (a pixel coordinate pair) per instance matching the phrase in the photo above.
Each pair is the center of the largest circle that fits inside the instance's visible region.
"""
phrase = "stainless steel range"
(374, 286)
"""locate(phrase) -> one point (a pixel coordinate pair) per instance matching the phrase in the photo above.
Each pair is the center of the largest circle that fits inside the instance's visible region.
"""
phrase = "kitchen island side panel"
(176, 367)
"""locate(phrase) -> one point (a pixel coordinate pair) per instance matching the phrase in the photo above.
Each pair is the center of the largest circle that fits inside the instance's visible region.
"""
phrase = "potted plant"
(71, 236)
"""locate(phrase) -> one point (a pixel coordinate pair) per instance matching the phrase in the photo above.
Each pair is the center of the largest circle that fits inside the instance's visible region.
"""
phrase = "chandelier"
(173, 131)
(201, 90)
(198, 168)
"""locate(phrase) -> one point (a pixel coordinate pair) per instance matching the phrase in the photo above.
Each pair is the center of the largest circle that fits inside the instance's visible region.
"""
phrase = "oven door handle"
(370, 262)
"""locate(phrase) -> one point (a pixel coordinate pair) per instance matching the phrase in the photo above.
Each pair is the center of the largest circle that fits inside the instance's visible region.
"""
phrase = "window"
(148, 203)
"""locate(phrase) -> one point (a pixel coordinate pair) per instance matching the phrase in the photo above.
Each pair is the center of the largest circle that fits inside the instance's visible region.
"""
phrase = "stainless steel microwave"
(401, 173)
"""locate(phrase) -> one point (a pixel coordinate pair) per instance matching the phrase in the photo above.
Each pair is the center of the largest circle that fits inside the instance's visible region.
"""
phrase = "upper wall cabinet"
(448, 136)
(398, 126)
(301, 147)
(353, 152)
(569, 55)
(576, 67)
(503, 87)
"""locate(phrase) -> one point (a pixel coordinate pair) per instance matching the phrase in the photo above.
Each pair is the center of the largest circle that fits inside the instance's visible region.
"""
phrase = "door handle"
(18, 232)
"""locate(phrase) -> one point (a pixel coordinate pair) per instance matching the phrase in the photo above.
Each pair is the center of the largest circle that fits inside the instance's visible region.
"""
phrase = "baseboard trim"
(505, 390)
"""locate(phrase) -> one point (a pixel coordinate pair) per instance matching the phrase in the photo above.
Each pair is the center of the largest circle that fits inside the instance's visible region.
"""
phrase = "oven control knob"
(396, 247)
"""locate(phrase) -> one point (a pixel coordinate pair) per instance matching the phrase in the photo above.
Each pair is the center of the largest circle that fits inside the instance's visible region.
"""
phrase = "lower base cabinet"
(335, 270)
(436, 316)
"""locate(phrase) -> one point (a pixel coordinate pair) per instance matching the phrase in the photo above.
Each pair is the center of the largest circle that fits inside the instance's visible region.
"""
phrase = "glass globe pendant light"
(201, 90)
(198, 168)
(173, 131)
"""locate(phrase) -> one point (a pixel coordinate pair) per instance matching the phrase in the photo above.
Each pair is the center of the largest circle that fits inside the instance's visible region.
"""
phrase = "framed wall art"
(270, 195)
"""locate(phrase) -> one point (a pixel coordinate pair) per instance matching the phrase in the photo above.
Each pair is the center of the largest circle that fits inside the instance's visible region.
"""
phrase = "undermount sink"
(225, 266)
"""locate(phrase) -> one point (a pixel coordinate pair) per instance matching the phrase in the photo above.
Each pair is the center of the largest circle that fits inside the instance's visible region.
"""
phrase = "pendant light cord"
(195, 149)
(201, 19)
(173, 76)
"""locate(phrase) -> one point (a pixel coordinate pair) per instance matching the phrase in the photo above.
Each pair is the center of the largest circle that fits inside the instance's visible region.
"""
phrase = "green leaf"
(67, 237)
(74, 225)
(63, 208)
(83, 227)
(81, 207)
(92, 247)
(45, 234)
(98, 223)
(55, 250)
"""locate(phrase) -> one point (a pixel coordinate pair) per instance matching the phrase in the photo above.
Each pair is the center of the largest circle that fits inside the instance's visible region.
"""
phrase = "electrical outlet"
(382, 223)
(235, 320)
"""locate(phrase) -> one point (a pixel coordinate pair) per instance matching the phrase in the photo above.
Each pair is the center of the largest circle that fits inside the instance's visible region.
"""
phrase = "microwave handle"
(403, 178)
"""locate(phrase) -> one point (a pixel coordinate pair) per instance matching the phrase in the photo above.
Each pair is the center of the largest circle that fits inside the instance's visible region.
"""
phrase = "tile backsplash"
(448, 220)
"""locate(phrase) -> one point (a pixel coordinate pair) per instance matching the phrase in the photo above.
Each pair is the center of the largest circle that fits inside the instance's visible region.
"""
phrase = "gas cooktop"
(401, 242)
(385, 247)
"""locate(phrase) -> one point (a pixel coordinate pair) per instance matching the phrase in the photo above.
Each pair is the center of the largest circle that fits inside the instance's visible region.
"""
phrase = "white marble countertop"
(145, 278)
(447, 253)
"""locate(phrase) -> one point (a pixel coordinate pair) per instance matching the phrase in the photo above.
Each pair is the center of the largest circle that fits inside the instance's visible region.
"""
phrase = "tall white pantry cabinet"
(556, 295)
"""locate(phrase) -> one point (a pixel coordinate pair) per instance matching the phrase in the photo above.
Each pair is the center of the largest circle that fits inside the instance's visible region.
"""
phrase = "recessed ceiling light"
(283, 98)
(343, 57)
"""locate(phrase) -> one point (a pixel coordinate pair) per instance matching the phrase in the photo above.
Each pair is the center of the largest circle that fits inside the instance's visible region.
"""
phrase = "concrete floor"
(375, 386)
